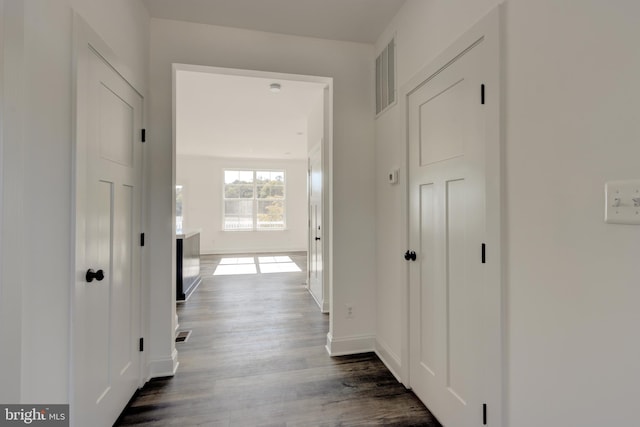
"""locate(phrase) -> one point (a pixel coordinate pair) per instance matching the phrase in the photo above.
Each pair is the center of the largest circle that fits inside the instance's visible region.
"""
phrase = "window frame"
(179, 189)
(255, 199)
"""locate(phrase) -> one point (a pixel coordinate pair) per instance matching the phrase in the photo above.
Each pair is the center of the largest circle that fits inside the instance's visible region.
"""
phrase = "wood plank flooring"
(256, 357)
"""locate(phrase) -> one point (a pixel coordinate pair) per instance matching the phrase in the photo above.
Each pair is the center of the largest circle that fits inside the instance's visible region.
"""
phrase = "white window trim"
(255, 201)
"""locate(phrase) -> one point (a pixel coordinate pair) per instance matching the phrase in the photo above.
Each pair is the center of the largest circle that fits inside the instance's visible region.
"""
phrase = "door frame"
(488, 28)
(12, 225)
(85, 37)
(324, 302)
(326, 145)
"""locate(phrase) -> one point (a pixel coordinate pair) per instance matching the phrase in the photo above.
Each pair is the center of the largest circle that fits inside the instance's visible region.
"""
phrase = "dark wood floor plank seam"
(256, 358)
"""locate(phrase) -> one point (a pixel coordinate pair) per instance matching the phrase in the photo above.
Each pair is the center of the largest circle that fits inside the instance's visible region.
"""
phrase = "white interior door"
(315, 226)
(451, 335)
(106, 306)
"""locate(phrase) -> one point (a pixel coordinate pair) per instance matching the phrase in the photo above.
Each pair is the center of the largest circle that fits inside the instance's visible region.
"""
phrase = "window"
(179, 217)
(254, 200)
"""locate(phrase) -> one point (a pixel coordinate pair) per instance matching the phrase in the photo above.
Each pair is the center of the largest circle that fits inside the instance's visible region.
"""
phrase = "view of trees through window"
(254, 200)
(179, 208)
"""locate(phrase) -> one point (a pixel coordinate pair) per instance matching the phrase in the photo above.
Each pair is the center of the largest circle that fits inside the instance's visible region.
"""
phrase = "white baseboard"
(164, 367)
(390, 359)
(325, 306)
(350, 345)
(250, 251)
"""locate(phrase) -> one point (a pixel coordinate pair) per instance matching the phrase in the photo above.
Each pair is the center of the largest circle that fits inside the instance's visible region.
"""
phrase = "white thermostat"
(393, 176)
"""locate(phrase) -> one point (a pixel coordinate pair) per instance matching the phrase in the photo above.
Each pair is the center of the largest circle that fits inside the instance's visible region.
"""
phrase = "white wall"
(37, 143)
(350, 65)
(573, 98)
(422, 30)
(11, 204)
(571, 103)
(315, 124)
(202, 181)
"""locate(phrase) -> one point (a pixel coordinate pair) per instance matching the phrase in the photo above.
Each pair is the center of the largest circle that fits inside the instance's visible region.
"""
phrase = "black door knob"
(410, 255)
(317, 238)
(98, 275)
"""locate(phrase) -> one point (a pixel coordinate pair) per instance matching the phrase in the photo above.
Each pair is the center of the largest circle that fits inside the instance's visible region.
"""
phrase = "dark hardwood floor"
(256, 357)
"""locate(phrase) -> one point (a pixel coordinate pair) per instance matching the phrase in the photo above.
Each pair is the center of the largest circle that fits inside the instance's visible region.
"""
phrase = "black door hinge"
(141, 346)
(482, 94)
(141, 239)
(144, 135)
(484, 253)
(484, 414)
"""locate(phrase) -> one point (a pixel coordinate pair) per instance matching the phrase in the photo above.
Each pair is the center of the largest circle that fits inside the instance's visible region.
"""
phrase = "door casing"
(326, 147)
(316, 231)
(84, 37)
(488, 29)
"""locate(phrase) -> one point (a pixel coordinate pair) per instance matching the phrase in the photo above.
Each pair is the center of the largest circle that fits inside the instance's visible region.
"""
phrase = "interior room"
(494, 280)
(244, 141)
(230, 123)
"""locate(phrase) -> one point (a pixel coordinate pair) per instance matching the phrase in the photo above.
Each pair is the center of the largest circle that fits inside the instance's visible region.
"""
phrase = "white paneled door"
(454, 338)
(106, 304)
(315, 226)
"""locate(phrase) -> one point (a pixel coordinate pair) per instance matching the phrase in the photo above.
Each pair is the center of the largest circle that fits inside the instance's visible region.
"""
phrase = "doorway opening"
(252, 164)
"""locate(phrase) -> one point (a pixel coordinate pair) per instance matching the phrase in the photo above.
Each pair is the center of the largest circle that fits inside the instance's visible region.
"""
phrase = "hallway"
(256, 357)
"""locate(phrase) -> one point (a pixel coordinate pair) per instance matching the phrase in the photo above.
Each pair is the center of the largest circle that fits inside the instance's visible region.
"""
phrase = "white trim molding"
(487, 30)
(163, 367)
(350, 345)
(389, 358)
(252, 251)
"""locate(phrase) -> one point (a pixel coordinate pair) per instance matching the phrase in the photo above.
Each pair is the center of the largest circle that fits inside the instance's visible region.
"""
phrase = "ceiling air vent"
(386, 78)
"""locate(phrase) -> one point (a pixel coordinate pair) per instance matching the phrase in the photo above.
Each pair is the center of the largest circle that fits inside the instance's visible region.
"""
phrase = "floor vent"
(183, 336)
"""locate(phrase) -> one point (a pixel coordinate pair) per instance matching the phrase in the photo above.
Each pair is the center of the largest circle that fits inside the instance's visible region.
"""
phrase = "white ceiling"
(233, 116)
(348, 20)
(236, 116)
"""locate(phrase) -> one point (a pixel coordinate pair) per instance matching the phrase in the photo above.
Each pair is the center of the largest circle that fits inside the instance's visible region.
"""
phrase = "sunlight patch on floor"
(247, 265)
(235, 269)
(241, 260)
(277, 264)
(282, 267)
(272, 259)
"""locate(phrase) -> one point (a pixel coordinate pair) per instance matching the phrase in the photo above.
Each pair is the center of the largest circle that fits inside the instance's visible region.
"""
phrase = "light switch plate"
(622, 202)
